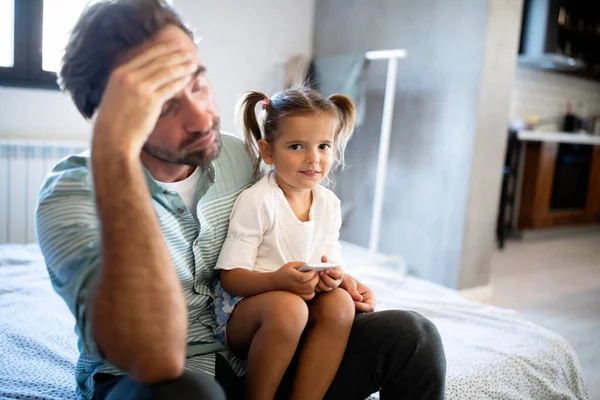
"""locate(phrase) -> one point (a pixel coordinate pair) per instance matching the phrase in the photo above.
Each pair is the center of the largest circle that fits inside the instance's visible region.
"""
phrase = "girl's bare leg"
(331, 315)
(266, 328)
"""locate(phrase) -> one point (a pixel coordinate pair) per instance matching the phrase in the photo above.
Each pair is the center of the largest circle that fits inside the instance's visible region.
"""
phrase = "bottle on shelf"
(571, 122)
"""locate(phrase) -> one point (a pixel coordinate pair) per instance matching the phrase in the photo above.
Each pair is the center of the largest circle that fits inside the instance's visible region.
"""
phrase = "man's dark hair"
(105, 31)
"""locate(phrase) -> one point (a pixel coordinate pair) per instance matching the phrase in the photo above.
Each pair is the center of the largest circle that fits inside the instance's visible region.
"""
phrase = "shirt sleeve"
(248, 222)
(68, 234)
(333, 249)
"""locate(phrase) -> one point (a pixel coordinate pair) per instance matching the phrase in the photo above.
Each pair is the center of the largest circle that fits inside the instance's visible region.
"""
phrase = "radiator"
(23, 166)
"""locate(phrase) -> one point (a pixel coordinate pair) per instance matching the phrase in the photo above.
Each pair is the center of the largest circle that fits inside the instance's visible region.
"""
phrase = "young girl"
(263, 302)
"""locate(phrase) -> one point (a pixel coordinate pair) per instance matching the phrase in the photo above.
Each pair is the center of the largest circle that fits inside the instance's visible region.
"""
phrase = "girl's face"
(303, 152)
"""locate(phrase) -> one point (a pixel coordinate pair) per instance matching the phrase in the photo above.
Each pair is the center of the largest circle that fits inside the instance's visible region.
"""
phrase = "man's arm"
(138, 313)
(114, 290)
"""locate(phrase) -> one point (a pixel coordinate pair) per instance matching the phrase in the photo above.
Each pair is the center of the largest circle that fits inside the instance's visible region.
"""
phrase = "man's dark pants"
(399, 353)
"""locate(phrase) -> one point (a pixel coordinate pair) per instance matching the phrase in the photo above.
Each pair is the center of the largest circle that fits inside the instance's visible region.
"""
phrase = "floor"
(555, 282)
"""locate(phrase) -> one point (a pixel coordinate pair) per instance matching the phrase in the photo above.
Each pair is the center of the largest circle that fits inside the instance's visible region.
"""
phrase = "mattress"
(491, 353)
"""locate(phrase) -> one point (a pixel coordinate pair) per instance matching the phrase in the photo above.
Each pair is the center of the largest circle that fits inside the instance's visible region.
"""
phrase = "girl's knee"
(287, 315)
(335, 307)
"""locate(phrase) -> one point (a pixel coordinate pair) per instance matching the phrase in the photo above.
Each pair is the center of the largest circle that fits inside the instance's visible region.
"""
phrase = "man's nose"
(199, 115)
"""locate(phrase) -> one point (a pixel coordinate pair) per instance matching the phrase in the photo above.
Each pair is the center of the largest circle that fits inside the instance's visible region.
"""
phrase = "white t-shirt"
(264, 233)
(186, 190)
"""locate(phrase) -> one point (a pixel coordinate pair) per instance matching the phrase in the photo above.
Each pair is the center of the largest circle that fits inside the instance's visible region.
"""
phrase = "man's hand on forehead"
(137, 89)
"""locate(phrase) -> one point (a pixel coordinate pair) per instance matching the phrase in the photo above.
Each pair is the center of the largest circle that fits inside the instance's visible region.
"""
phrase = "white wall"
(245, 45)
(545, 94)
(40, 114)
(499, 63)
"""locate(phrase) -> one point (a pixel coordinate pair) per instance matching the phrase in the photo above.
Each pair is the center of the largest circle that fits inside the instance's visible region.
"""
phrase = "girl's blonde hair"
(297, 101)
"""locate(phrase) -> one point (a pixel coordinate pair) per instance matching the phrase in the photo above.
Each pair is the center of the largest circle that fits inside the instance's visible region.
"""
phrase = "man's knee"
(190, 385)
(415, 362)
(412, 327)
(198, 384)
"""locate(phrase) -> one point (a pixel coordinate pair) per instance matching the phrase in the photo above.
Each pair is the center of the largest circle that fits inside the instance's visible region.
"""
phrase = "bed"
(491, 353)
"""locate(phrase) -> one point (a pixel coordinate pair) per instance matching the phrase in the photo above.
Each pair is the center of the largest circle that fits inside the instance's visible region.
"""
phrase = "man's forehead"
(171, 35)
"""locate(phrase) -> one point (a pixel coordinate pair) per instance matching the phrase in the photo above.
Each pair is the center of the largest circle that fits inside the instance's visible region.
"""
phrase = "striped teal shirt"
(68, 234)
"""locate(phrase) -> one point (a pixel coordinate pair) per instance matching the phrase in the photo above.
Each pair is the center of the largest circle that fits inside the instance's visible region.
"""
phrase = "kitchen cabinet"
(561, 35)
(560, 184)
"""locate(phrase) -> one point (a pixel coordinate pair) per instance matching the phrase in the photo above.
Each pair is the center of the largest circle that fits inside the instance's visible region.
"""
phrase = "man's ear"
(266, 151)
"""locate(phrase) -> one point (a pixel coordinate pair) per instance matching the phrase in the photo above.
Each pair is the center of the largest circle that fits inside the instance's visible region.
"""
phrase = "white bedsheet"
(38, 347)
(491, 353)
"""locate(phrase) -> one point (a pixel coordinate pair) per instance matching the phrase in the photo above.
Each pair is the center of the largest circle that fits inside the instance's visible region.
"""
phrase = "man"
(131, 230)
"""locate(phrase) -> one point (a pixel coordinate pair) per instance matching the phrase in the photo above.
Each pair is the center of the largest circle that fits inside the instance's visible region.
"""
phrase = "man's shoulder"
(234, 166)
(72, 173)
(231, 143)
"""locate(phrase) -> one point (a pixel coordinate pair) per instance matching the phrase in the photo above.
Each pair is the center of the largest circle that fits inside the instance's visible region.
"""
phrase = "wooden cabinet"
(537, 190)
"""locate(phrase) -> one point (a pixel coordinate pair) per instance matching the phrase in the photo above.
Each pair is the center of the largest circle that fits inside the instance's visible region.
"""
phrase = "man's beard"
(197, 157)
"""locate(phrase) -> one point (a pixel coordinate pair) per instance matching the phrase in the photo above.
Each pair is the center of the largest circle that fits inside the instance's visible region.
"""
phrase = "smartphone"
(318, 267)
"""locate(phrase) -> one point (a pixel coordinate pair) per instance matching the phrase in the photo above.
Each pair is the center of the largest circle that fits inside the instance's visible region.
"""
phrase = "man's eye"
(166, 109)
(200, 88)
(200, 85)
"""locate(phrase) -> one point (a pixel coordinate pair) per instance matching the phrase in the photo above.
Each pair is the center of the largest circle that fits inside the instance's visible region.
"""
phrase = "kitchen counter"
(558, 137)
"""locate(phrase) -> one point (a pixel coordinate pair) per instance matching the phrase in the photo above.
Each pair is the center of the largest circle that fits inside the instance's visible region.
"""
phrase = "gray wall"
(436, 123)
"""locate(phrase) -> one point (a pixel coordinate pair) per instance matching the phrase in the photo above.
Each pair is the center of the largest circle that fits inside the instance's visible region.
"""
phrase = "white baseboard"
(481, 294)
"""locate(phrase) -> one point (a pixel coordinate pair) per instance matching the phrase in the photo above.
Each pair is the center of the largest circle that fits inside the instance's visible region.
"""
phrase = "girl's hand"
(288, 278)
(330, 278)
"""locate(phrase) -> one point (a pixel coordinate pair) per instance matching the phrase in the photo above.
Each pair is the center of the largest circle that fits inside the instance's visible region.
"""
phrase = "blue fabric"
(343, 74)
(224, 303)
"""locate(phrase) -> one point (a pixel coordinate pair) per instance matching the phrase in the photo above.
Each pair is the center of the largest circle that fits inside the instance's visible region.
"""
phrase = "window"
(7, 33)
(26, 27)
(57, 23)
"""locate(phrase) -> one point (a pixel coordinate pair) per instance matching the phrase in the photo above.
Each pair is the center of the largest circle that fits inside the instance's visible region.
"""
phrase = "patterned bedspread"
(38, 347)
(492, 353)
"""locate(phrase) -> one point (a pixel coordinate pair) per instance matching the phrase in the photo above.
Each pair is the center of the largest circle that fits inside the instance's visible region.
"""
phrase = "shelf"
(559, 137)
(573, 31)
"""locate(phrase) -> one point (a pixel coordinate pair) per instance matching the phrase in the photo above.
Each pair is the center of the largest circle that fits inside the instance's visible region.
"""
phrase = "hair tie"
(266, 103)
